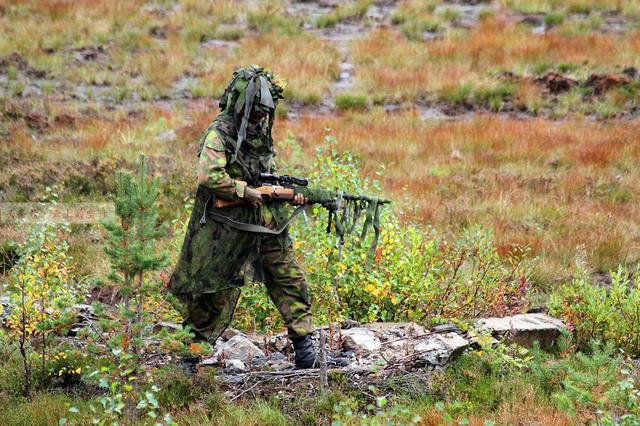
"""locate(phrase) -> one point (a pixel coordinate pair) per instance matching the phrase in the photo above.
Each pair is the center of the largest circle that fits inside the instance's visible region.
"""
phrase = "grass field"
(520, 116)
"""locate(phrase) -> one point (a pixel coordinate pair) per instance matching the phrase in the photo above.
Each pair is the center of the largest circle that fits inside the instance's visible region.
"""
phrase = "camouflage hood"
(252, 88)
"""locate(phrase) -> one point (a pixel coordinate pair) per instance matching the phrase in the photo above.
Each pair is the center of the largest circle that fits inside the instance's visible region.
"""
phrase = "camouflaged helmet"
(252, 88)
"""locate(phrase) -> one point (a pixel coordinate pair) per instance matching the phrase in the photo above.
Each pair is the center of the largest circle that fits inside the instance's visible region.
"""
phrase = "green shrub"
(597, 312)
(589, 386)
(586, 377)
(42, 291)
(415, 276)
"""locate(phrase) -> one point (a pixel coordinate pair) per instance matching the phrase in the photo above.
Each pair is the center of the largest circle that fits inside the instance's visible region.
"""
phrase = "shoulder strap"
(249, 227)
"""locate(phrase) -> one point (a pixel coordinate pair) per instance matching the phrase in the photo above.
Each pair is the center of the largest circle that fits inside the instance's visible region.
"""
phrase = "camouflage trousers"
(286, 286)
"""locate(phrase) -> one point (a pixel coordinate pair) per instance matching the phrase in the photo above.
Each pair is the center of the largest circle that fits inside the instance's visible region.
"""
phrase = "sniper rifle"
(344, 209)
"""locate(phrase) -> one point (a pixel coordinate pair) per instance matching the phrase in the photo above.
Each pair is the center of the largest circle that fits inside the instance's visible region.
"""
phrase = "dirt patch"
(556, 83)
(602, 83)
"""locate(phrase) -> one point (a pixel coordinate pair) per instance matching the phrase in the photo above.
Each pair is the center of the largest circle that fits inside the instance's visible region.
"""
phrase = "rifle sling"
(250, 227)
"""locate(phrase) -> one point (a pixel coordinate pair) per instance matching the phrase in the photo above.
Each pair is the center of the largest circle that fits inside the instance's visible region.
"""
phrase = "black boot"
(306, 355)
(189, 365)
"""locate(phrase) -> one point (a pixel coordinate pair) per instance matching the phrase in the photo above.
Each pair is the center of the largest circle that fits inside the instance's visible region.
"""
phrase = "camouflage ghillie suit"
(216, 258)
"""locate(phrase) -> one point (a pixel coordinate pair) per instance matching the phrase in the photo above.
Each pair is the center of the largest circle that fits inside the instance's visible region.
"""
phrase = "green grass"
(344, 12)
(553, 19)
(350, 101)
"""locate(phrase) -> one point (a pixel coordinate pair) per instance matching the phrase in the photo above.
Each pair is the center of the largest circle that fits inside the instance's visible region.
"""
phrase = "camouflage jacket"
(214, 256)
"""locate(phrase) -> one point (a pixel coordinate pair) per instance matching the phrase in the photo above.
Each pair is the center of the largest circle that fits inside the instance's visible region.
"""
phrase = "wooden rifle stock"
(268, 192)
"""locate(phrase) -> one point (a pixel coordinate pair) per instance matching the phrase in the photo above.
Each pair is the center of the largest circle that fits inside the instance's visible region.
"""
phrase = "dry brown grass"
(552, 186)
(307, 63)
(549, 185)
(397, 69)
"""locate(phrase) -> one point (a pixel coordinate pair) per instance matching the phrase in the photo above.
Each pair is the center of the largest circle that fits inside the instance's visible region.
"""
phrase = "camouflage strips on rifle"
(344, 209)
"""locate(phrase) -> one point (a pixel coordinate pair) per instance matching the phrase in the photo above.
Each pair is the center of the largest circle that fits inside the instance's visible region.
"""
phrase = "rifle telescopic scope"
(283, 180)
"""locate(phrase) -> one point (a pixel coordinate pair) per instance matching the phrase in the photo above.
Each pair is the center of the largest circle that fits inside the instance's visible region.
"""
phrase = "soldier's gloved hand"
(298, 200)
(253, 197)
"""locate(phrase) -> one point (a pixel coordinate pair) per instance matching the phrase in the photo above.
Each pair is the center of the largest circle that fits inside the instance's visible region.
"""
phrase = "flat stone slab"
(439, 349)
(524, 329)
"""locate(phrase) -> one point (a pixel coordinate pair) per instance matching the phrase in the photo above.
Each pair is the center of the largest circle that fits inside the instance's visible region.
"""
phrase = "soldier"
(226, 247)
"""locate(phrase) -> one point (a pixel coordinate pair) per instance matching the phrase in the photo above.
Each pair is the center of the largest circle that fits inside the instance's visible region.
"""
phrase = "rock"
(5, 308)
(258, 339)
(241, 348)
(405, 328)
(329, 3)
(277, 356)
(439, 349)
(217, 354)
(279, 343)
(360, 339)
(446, 328)
(212, 360)
(397, 350)
(349, 323)
(229, 333)
(258, 361)
(524, 329)
(31, 91)
(234, 366)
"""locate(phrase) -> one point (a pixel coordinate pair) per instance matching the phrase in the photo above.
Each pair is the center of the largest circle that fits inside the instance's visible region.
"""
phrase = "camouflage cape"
(216, 258)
